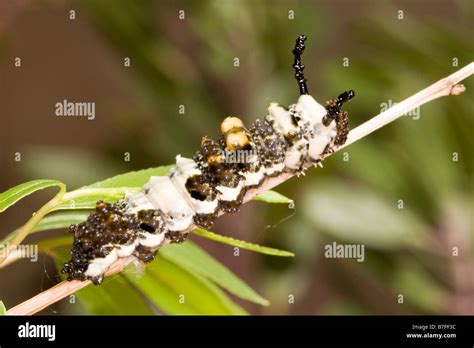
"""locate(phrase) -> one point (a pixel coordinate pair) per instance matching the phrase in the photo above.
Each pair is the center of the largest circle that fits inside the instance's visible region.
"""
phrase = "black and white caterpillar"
(215, 180)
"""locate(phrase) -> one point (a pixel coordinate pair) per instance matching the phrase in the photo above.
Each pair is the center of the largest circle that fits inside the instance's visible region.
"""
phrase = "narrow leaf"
(132, 179)
(116, 296)
(86, 198)
(109, 190)
(241, 244)
(191, 257)
(273, 197)
(14, 194)
(53, 221)
(175, 290)
(61, 220)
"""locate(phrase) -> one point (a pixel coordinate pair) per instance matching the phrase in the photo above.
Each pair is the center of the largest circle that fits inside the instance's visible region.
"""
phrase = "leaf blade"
(109, 190)
(271, 196)
(132, 179)
(164, 282)
(191, 257)
(86, 198)
(53, 221)
(241, 244)
(16, 193)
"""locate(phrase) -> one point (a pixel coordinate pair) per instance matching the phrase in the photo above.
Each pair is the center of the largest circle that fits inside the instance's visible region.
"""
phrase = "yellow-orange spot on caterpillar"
(215, 159)
(205, 140)
(230, 123)
(236, 140)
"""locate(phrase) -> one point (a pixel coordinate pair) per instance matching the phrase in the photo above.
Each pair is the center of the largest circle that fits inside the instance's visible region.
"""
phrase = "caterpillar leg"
(334, 106)
(335, 113)
(342, 126)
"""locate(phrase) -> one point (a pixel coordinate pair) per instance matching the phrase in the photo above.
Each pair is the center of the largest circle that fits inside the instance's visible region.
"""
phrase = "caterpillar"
(213, 181)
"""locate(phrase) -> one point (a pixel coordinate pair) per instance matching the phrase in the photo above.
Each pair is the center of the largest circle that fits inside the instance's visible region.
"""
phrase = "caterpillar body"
(214, 181)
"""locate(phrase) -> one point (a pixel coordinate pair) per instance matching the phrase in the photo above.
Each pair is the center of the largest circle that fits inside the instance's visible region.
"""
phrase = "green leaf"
(115, 296)
(191, 257)
(176, 290)
(131, 179)
(61, 220)
(54, 221)
(241, 244)
(162, 282)
(13, 195)
(109, 190)
(273, 197)
(3, 310)
(86, 198)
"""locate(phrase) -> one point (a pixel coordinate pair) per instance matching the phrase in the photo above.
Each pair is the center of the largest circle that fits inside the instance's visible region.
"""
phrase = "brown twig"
(444, 87)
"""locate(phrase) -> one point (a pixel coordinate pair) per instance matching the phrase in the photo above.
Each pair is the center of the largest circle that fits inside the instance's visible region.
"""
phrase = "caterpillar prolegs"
(215, 180)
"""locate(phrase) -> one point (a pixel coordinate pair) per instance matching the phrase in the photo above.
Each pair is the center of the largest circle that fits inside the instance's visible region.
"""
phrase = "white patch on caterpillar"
(275, 169)
(164, 195)
(126, 250)
(186, 168)
(281, 120)
(296, 154)
(313, 113)
(100, 265)
(230, 194)
(253, 178)
(205, 207)
(151, 240)
(138, 201)
(179, 223)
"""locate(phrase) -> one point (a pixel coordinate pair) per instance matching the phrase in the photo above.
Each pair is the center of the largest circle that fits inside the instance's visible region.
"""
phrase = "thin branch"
(444, 87)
